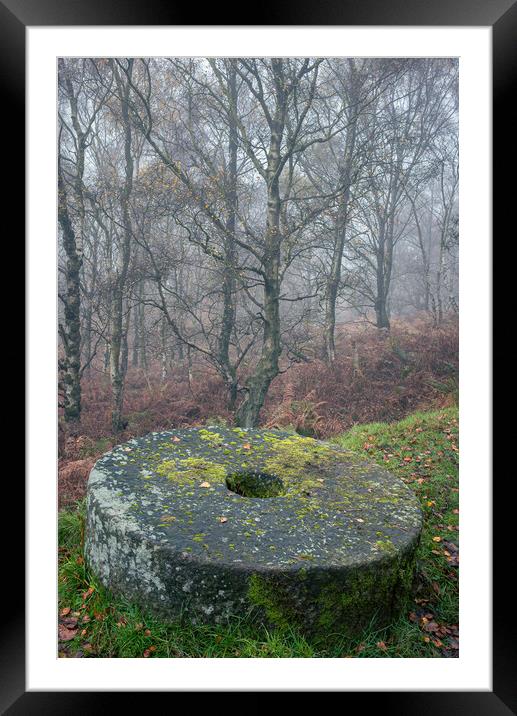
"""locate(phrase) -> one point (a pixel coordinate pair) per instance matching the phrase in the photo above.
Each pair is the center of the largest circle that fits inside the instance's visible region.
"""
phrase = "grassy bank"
(422, 450)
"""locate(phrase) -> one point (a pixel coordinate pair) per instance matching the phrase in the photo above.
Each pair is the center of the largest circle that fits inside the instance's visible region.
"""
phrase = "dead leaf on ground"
(66, 634)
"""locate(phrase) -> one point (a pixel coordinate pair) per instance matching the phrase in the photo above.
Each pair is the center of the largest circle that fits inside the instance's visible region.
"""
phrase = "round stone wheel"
(217, 523)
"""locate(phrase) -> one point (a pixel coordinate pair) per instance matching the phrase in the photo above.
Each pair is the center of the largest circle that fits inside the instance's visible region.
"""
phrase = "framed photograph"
(109, 161)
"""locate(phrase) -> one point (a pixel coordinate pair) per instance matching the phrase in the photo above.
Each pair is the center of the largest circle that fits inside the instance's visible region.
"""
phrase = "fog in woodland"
(235, 213)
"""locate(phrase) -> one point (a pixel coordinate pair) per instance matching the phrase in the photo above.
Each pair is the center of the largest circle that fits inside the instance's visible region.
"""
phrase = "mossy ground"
(422, 450)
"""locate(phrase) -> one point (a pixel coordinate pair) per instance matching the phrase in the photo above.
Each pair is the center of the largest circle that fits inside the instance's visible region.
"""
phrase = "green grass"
(422, 450)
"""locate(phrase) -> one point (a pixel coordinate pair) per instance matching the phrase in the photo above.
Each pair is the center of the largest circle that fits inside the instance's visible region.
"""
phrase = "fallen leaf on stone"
(205, 484)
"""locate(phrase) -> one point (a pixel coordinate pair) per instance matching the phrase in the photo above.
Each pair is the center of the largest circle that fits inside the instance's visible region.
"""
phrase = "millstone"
(217, 523)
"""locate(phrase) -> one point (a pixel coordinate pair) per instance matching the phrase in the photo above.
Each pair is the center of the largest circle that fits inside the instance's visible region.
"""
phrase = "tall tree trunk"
(136, 339)
(71, 331)
(331, 296)
(118, 336)
(345, 181)
(228, 318)
(141, 327)
(117, 381)
(87, 340)
(381, 312)
(439, 279)
(163, 340)
(247, 415)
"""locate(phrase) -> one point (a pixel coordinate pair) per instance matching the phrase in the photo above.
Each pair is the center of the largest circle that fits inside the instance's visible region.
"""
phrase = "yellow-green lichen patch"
(212, 438)
(297, 460)
(192, 470)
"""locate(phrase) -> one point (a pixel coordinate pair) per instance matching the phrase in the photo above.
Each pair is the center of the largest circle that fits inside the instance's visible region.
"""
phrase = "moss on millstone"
(265, 594)
(192, 469)
(293, 457)
(385, 545)
(212, 438)
(343, 607)
(374, 596)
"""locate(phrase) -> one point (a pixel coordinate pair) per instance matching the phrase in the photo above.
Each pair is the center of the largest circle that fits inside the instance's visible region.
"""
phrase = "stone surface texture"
(329, 552)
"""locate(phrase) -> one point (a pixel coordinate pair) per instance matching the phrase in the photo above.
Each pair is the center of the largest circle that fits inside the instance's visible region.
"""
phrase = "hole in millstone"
(253, 483)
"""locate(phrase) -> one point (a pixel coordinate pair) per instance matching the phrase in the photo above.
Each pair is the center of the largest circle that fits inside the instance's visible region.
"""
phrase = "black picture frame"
(501, 15)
